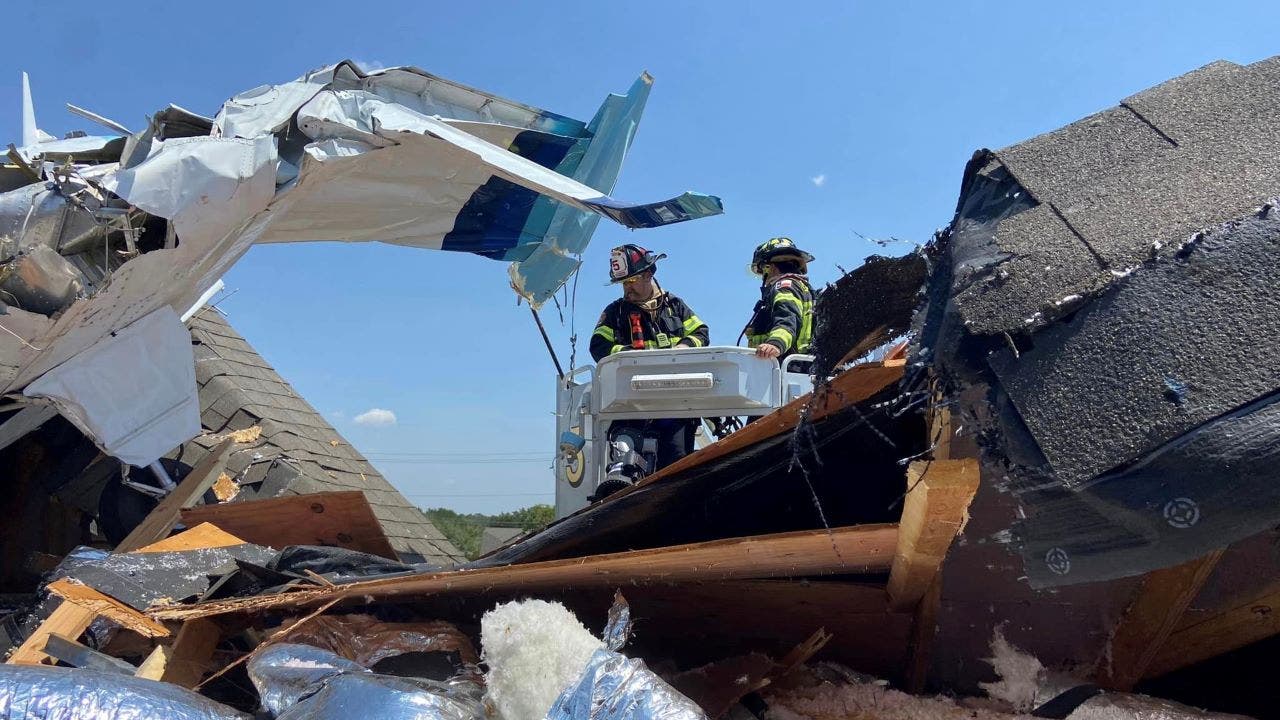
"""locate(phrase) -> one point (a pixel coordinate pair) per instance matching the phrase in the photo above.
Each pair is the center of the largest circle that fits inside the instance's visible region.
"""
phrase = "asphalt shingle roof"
(298, 451)
(1110, 191)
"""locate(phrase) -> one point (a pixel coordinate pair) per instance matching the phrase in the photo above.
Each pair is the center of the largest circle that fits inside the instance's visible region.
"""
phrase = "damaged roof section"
(290, 449)
(1114, 282)
(1067, 213)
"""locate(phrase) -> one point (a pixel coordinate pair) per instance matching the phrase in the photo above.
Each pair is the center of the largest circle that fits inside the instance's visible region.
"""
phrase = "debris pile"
(982, 506)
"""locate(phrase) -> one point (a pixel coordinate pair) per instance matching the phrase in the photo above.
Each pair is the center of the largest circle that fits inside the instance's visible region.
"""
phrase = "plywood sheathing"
(338, 519)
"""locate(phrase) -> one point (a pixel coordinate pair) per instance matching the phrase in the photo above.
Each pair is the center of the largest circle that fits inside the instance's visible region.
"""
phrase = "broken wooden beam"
(159, 522)
(153, 667)
(1245, 623)
(924, 628)
(190, 656)
(935, 510)
(337, 519)
(71, 620)
(841, 551)
(1157, 606)
(97, 604)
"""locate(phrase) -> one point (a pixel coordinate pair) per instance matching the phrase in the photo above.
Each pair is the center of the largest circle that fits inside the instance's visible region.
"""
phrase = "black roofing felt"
(298, 451)
(1115, 188)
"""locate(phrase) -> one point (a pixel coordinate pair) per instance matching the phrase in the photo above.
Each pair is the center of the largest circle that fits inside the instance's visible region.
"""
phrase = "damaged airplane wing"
(398, 156)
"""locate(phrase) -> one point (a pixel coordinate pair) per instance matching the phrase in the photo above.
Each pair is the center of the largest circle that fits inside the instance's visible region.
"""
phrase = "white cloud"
(376, 416)
(819, 180)
(369, 65)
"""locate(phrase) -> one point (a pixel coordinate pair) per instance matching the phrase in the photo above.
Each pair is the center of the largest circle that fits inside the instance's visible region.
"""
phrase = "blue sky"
(821, 121)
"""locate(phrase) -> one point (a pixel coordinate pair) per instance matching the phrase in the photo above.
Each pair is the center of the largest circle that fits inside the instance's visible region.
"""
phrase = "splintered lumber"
(189, 658)
(204, 535)
(1247, 622)
(935, 510)
(98, 603)
(1157, 607)
(77, 655)
(337, 519)
(845, 551)
(157, 525)
(71, 620)
(153, 667)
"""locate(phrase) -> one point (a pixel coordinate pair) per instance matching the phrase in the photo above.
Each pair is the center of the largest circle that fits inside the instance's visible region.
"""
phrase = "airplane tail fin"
(30, 134)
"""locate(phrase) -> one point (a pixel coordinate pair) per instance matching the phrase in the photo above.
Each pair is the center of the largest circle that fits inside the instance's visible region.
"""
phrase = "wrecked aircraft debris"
(93, 248)
(979, 509)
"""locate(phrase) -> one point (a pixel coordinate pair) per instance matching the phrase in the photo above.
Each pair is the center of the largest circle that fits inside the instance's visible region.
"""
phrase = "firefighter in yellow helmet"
(782, 323)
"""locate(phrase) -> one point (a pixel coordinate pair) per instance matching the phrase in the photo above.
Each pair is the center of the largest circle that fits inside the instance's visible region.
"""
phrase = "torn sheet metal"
(35, 692)
(40, 280)
(133, 393)
(206, 186)
(396, 156)
(37, 214)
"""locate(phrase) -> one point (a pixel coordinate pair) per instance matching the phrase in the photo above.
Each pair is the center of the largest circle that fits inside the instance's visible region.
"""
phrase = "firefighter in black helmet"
(782, 323)
(647, 317)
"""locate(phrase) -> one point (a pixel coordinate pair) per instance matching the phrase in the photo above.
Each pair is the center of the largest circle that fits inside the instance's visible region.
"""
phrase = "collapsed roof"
(1113, 283)
(1081, 397)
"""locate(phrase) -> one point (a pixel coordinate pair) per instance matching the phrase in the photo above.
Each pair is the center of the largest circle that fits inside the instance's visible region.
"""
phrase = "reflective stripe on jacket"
(784, 315)
(672, 324)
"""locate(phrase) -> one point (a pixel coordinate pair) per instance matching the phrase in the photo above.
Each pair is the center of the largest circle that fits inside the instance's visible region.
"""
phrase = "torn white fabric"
(134, 392)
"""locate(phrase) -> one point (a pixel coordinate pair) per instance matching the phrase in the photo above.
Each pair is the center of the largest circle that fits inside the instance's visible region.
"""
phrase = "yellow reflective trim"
(694, 339)
(606, 332)
(782, 334)
(790, 299)
(691, 324)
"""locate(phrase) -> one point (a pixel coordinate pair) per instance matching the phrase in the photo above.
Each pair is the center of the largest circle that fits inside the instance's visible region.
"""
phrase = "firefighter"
(782, 323)
(647, 317)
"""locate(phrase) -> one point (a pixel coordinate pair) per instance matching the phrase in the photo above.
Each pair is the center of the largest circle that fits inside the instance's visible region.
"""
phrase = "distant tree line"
(465, 531)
